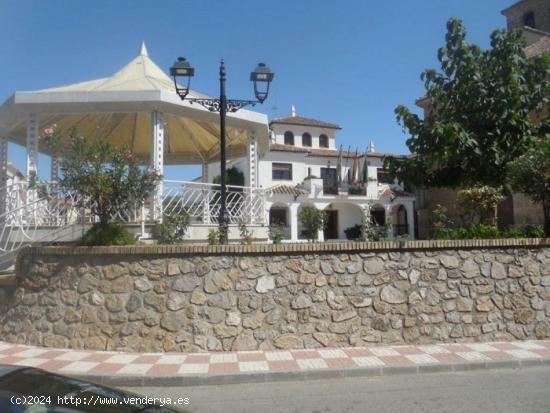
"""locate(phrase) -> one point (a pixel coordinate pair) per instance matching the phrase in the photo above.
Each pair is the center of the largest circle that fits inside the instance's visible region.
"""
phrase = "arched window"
(306, 139)
(323, 141)
(289, 138)
(529, 19)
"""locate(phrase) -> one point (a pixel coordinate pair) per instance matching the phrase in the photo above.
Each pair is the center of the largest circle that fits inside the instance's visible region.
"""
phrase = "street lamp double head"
(261, 78)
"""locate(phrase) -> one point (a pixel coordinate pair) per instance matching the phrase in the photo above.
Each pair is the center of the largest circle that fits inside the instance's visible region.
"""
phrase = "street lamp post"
(261, 77)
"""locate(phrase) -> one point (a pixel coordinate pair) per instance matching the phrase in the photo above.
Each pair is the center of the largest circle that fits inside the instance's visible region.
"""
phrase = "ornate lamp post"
(261, 77)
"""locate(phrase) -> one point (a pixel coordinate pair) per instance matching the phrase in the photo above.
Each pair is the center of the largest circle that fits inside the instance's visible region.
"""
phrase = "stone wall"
(293, 296)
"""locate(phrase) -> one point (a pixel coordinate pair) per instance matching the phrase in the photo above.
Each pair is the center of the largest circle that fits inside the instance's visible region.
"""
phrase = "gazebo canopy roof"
(118, 109)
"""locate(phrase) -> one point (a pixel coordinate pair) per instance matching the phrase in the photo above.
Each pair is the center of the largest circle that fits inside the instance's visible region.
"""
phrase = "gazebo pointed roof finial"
(143, 49)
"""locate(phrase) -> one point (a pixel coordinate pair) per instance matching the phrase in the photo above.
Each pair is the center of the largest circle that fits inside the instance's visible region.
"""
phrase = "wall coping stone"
(286, 248)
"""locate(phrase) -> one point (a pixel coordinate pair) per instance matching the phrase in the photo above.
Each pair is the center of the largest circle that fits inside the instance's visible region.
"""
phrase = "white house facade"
(303, 165)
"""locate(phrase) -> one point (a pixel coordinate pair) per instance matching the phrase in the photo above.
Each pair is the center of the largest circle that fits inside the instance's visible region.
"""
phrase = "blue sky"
(349, 62)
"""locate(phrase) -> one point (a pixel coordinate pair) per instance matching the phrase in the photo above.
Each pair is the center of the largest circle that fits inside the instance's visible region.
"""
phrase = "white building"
(300, 168)
(288, 163)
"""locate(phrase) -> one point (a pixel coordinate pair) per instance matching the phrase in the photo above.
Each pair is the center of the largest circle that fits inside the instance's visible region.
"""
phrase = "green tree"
(312, 220)
(530, 174)
(103, 178)
(480, 114)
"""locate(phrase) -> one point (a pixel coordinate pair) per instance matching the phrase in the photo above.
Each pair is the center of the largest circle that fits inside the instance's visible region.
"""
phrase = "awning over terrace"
(118, 109)
(136, 107)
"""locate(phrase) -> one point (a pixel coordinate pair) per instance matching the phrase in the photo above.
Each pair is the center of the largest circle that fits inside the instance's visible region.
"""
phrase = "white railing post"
(157, 162)
(32, 154)
(3, 174)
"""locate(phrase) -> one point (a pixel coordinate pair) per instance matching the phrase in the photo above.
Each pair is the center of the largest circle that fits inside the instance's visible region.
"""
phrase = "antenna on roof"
(293, 110)
(143, 49)
(371, 147)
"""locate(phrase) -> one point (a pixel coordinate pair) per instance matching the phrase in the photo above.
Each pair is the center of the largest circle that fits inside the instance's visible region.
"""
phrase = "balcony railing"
(202, 202)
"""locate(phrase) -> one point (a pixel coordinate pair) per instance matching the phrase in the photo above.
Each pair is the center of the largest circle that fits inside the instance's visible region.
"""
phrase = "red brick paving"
(201, 363)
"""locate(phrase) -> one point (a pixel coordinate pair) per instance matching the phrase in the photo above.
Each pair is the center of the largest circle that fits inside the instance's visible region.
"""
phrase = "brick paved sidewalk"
(136, 368)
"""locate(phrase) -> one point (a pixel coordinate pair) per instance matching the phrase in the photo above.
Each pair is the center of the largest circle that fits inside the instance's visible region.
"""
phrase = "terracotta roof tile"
(329, 152)
(302, 121)
(287, 190)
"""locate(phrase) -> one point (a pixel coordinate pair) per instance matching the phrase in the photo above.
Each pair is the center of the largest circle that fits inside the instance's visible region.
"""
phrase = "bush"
(354, 233)
(246, 235)
(482, 231)
(276, 233)
(105, 179)
(213, 237)
(313, 220)
(173, 228)
(107, 234)
(356, 190)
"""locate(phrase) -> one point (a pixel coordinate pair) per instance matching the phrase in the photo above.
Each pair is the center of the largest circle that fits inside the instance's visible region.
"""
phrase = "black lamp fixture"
(261, 78)
(182, 69)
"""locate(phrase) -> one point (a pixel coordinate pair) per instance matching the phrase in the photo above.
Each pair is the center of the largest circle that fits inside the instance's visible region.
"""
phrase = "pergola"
(136, 107)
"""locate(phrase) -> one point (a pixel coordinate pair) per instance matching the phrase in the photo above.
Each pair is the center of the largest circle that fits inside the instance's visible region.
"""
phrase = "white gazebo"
(136, 107)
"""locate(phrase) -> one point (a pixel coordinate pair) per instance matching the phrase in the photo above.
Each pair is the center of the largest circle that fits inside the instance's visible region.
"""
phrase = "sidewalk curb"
(272, 377)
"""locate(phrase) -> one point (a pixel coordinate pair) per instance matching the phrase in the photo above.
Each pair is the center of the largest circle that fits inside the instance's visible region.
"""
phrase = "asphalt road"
(518, 391)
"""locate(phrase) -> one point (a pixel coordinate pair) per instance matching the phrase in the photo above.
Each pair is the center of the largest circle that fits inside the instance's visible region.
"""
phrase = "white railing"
(46, 213)
(202, 202)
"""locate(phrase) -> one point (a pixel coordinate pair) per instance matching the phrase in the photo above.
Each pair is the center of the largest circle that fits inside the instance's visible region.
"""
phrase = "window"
(529, 19)
(281, 171)
(306, 139)
(378, 215)
(323, 141)
(277, 216)
(289, 138)
(383, 176)
(330, 181)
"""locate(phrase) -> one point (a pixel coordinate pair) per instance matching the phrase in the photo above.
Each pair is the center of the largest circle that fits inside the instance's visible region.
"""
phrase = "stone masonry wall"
(264, 299)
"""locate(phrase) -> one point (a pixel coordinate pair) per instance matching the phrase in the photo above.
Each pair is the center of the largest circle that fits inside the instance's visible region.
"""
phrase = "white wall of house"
(280, 129)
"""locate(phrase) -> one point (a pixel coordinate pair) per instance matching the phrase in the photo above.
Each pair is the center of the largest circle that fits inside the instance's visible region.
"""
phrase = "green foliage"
(530, 174)
(213, 237)
(483, 231)
(312, 220)
(276, 233)
(232, 177)
(173, 228)
(307, 178)
(368, 231)
(245, 233)
(441, 223)
(111, 233)
(356, 190)
(479, 112)
(104, 178)
(479, 204)
(353, 233)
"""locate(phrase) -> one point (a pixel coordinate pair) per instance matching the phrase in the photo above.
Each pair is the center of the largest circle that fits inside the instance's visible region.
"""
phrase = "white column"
(321, 235)
(157, 162)
(294, 222)
(410, 219)
(3, 173)
(252, 160)
(32, 153)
